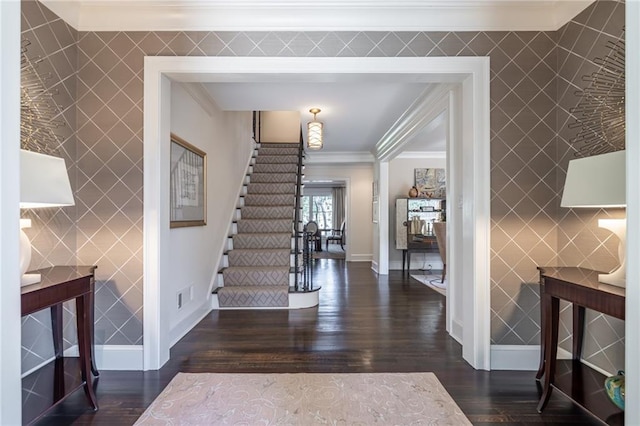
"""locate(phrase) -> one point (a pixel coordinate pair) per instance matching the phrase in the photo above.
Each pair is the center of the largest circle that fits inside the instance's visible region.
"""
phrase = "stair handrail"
(296, 215)
(256, 126)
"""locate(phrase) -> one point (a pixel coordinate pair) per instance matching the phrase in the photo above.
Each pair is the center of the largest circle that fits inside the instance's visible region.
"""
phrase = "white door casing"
(473, 75)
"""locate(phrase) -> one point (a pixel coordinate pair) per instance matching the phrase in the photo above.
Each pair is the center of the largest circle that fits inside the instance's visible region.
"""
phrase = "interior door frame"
(471, 72)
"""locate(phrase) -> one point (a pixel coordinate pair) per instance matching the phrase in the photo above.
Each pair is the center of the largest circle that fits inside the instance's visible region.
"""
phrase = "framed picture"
(188, 184)
(431, 183)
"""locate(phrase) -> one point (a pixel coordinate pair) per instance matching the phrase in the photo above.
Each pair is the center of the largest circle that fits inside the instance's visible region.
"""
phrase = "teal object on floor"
(614, 386)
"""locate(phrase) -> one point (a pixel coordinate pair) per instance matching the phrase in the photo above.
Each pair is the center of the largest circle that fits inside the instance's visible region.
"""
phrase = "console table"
(581, 287)
(58, 285)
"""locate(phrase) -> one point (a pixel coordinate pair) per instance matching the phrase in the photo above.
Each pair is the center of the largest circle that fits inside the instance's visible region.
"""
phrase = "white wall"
(280, 126)
(359, 226)
(195, 251)
(401, 179)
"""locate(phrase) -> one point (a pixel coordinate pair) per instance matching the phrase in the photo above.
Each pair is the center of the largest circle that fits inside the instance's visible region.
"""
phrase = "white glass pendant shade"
(314, 131)
(314, 135)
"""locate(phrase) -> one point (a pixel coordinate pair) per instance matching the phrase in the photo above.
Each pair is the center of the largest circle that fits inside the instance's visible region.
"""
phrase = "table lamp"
(599, 181)
(44, 182)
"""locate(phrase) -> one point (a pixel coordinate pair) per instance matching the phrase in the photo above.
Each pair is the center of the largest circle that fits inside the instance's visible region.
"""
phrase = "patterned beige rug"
(304, 399)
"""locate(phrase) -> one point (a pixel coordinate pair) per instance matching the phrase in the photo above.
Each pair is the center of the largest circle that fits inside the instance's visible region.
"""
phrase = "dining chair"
(337, 235)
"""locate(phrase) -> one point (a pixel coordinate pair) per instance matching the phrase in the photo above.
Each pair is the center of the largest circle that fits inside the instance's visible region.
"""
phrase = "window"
(318, 208)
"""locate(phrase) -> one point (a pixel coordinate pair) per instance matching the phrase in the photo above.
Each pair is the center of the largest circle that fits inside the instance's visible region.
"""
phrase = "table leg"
(58, 379)
(543, 338)
(83, 308)
(56, 328)
(94, 369)
(578, 331)
(408, 262)
(404, 259)
(551, 348)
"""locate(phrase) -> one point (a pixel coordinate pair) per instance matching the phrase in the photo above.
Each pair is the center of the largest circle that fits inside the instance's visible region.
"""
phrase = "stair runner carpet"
(259, 263)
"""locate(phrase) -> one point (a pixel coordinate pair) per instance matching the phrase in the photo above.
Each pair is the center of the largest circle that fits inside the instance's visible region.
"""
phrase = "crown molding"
(433, 101)
(323, 15)
(439, 155)
(319, 157)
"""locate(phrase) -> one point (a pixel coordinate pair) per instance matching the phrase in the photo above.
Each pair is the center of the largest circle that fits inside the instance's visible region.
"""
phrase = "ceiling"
(356, 113)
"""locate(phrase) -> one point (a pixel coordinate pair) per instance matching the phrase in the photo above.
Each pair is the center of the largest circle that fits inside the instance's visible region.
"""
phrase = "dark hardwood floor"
(364, 324)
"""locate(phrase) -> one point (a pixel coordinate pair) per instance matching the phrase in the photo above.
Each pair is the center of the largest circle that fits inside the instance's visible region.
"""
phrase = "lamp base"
(617, 278)
(28, 279)
(619, 228)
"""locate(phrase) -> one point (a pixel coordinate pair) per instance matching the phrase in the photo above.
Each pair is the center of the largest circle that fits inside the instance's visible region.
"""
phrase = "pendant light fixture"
(314, 131)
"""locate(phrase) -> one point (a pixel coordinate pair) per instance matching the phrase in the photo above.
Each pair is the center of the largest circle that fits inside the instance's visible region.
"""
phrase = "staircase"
(258, 270)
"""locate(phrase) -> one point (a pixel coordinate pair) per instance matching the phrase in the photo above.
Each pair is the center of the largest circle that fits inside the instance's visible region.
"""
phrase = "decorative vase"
(413, 192)
(614, 386)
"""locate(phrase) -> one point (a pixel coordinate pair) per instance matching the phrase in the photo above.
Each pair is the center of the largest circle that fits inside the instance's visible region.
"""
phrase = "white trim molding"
(107, 357)
(472, 75)
(330, 15)
(515, 357)
(338, 157)
(10, 324)
(119, 357)
(632, 99)
(432, 155)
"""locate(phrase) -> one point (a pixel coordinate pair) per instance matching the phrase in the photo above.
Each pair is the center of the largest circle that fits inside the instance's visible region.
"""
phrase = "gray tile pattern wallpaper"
(527, 126)
(53, 48)
(580, 241)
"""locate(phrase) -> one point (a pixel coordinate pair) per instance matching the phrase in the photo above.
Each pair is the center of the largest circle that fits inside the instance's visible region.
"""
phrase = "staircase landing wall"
(196, 251)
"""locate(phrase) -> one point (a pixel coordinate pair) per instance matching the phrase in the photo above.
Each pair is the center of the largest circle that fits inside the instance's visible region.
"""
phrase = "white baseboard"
(456, 331)
(396, 265)
(527, 357)
(108, 357)
(119, 357)
(374, 266)
(360, 258)
(515, 357)
(187, 324)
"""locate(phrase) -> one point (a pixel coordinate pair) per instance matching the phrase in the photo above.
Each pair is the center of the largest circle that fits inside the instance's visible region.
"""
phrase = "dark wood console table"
(58, 285)
(581, 287)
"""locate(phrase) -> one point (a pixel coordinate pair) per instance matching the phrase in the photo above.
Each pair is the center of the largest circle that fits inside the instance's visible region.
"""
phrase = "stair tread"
(264, 268)
(268, 250)
(263, 233)
(257, 287)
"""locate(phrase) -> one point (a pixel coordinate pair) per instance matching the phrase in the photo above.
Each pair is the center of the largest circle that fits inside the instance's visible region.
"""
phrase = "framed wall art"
(188, 184)
(431, 183)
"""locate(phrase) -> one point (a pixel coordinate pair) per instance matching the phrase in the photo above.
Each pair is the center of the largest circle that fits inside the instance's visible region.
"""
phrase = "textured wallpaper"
(54, 52)
(580, 241)
(527, 124)
(523, 90)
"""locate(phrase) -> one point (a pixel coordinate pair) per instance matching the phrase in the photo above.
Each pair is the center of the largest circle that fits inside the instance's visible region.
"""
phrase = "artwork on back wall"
(431, 183)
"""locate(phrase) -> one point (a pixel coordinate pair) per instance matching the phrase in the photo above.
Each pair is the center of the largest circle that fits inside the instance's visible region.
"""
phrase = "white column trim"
(632, 340)
(10, 331)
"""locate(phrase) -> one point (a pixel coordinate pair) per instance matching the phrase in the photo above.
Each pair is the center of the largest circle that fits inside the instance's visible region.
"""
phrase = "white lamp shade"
(596, 182)
(314, 135)
(44, 181)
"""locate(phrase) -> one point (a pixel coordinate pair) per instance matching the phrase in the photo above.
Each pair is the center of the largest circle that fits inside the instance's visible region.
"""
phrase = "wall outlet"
(184, 296)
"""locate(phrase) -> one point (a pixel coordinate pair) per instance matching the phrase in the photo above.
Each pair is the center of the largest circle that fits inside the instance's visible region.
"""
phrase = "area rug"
(433, 282)
(304, 399)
